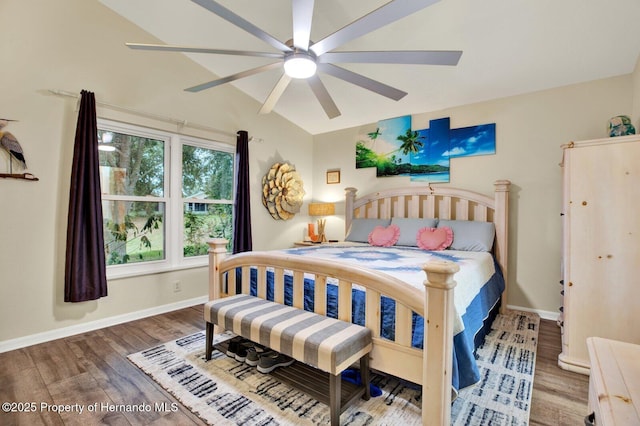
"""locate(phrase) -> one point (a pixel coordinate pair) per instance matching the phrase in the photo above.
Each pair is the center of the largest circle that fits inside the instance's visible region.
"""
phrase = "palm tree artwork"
(395, 149)
(430, 162)
(391, 148)
(410, 142)
(386, 148)
(373, 136)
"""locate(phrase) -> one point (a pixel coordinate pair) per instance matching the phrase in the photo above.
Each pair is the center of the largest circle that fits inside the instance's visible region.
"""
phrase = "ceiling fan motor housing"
(300, 63)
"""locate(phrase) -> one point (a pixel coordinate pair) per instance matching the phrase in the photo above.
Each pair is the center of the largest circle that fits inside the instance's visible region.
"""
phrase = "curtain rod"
(180, 123)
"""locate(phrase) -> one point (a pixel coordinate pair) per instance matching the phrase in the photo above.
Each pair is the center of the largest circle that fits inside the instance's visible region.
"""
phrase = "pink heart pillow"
(384, 237)
(434, 238)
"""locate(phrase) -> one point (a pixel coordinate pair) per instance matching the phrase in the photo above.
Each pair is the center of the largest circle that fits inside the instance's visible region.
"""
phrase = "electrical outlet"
(177, 287)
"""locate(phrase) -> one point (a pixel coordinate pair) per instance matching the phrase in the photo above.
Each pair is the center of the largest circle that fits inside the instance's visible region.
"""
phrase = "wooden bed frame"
(430, 368)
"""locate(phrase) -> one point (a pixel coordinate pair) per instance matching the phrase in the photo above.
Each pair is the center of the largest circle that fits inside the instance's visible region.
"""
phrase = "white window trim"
(173, 249)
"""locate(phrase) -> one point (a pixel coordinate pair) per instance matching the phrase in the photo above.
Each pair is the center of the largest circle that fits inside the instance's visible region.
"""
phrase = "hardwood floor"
(559, 396)
(91, 369)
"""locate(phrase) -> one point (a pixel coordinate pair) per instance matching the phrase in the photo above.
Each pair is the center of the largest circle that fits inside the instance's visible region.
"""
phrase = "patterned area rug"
(506, 362)
(224, 391)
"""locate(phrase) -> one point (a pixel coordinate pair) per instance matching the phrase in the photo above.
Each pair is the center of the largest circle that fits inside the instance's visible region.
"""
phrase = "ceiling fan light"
(299, 65)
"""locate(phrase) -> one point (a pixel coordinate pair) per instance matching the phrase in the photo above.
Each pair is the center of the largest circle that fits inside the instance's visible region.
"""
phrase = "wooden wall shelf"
(23, 176)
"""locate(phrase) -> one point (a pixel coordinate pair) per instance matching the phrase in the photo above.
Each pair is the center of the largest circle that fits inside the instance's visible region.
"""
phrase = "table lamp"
(320, 209)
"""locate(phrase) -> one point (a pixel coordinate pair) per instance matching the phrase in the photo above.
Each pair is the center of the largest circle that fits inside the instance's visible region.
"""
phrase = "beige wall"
(79, 44)
(529, 131)
(635, 114)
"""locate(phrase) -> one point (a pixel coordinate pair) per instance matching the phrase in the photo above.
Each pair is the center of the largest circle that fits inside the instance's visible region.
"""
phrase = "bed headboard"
(438, 202)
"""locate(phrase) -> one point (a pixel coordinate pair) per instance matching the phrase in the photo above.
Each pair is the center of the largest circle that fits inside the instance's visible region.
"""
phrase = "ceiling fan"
(302, 58)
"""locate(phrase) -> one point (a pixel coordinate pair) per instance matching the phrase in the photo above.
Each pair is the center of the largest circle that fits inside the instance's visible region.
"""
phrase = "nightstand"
(614, 385)
(309, 243)
(305, 243)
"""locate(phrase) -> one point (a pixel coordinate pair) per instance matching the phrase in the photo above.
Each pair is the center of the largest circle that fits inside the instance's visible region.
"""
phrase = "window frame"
(200, 143)
(174, 211)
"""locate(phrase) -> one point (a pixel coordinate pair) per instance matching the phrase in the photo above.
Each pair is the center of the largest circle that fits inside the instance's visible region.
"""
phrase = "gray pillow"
(409, 228)
(470, 235)
(361, 228)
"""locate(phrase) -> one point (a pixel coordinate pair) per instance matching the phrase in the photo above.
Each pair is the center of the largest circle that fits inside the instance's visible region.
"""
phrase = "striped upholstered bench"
(325, 343)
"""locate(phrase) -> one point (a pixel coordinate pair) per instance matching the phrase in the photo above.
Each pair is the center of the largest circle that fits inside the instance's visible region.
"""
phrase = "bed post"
(438, 342)
(350, 198)
(217, 253)
(501, 217)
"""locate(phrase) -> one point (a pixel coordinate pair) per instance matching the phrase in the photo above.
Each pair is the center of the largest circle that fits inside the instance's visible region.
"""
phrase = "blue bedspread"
(480, 284)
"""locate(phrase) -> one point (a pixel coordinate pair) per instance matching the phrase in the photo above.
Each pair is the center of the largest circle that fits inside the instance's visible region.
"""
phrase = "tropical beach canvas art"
(431, 162)
(387, 149)
(474, 140)
(395, 149)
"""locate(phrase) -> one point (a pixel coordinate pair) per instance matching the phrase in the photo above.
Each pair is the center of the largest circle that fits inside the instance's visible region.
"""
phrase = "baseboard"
(548, 315)
(34, 339)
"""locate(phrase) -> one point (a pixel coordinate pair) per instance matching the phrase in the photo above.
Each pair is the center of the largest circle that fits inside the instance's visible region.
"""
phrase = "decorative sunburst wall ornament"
(282, 191)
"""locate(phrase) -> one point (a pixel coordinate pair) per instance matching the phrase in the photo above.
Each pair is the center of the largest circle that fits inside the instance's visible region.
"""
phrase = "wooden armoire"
(601, 245)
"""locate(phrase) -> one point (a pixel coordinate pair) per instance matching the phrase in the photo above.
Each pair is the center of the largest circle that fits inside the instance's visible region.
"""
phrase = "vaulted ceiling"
(509, 48)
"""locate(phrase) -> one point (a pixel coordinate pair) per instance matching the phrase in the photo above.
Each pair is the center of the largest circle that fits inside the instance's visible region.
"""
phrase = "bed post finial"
(217, 253)
(502, 185)
(349, 200)
(438, 341)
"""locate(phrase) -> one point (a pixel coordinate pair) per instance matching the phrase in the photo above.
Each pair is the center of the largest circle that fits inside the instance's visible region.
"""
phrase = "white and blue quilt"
(477, 294)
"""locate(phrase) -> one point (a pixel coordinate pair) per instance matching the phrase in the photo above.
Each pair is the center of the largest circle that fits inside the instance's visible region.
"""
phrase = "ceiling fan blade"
(380, 17)
(240, 22)
(362, 81)
(302, 17)
(323, 96)
(275, 94)
(188, 49)
(419, 57)
(233, 77)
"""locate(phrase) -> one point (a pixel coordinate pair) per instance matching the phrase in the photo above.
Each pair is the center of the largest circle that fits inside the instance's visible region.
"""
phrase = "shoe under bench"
(323, 347)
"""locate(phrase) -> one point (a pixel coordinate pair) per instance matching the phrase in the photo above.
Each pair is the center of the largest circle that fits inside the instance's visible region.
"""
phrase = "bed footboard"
(431, 368)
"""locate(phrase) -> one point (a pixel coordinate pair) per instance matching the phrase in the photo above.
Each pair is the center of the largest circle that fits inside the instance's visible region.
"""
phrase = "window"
(207, 190)
(163, 196)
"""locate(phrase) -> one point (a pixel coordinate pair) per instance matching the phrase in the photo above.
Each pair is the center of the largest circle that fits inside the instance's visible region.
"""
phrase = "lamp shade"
(322, 209)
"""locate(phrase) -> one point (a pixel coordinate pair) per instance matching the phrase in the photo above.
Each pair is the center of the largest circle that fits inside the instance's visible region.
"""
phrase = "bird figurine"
(11, 145)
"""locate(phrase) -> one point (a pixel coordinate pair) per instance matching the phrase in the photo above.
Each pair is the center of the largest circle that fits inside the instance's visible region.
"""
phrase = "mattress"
(477, 294)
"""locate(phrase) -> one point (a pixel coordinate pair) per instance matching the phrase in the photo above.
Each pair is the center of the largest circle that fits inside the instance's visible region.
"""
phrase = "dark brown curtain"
(242, 215)
(85, 271)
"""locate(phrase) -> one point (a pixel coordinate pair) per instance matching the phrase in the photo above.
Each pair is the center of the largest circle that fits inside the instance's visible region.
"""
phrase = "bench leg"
(335, 391)
(208, 348)
(366, 377)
